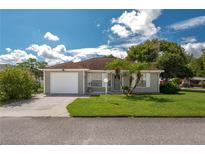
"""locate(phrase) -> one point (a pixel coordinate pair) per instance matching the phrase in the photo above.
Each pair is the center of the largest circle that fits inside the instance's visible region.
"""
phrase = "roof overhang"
(152, 71)
(61, 69)
(198, 78)
(143, 71)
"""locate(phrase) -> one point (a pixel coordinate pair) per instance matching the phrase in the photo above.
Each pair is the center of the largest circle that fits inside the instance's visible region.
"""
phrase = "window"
(96, 79)
(144, 82)
(96, 83)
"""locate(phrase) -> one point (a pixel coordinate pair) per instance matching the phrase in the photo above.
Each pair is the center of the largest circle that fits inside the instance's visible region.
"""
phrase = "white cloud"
(98, 25)
(190, 23)
(120, 30)
(8, 49)
(60, 54)
(194, 48)
(51, 55)
(60, 48)
(51, 37)
(126, 45)
(103, 50)
(189, 39)
(139, 21)
(15, 56)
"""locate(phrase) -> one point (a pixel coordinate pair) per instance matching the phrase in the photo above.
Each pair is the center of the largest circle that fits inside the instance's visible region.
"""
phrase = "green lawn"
(179, 105)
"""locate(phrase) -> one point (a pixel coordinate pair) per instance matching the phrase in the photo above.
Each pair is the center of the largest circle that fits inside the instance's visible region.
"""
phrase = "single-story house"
(196, 80)
(89, 77)
(192, 82)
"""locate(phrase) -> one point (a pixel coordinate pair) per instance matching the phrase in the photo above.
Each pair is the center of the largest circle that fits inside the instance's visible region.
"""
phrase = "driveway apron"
(39, 106)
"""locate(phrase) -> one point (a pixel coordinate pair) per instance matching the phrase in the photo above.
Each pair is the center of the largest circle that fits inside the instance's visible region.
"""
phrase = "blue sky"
(73, 35)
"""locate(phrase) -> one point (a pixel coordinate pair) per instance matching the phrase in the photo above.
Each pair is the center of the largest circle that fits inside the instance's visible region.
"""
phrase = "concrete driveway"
(39, 106)
(43, 130)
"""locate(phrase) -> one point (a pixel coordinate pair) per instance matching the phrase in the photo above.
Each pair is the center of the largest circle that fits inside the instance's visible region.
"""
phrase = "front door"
(116, 83)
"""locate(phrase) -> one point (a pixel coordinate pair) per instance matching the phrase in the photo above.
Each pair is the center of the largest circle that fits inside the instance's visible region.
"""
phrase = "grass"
(184, 104)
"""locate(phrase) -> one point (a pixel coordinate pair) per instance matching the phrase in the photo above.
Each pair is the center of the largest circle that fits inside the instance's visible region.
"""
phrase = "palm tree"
(124, 68)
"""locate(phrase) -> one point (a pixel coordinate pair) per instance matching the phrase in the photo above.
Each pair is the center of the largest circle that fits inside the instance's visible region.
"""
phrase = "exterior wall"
(84, 89)
(154, 84)
(97, 90)
(86, 81)
(80, 81)
(47, 82)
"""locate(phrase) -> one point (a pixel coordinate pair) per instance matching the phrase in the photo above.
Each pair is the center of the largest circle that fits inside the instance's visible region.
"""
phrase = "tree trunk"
(139, 75)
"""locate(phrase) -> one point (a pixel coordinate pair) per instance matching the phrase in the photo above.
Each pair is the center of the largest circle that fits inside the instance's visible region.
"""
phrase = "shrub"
(202, 84)
(176, 81)
(40, 89)
(16, 83)
(125, 89)
(169, 88)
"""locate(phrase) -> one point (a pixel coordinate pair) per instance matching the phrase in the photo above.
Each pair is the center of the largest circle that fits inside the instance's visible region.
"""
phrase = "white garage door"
(64, 83)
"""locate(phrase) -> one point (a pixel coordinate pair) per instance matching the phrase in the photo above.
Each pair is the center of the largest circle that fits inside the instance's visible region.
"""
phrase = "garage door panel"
(64, 83)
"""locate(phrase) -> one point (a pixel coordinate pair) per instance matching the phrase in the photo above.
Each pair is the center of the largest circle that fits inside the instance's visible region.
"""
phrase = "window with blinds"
(96, 79)
(144, 82)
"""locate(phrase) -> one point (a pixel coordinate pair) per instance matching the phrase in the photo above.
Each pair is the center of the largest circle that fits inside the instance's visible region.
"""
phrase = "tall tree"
(174, 66)
(34, 67)
(165, 54)
(203, 57)
(197, 65)
(146, 52)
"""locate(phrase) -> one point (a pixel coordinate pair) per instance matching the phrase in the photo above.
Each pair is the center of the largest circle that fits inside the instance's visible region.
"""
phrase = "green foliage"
(169, 88)
(176, 81)
(167, 55)
(202, 84)
(34, 67)
(174, 66)
(197, 65)
(118, 64)
(203, 58)
(146, 52)
(150, 50)
(16, 83)
(132, 69)
(40, 89)
(126, 89)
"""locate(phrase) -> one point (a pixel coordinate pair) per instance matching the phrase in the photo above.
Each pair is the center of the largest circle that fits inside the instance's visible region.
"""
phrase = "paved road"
(102, 130)
(39, 106)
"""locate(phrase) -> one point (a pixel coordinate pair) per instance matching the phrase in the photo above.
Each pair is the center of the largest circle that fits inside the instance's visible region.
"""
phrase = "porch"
(94, 83)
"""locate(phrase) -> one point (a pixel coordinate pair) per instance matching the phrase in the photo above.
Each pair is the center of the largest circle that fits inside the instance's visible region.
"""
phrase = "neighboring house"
(87, 77)
(192, 82)
(196, 80)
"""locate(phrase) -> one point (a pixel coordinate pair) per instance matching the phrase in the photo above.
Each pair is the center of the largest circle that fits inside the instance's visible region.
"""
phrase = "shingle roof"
(92, 64)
